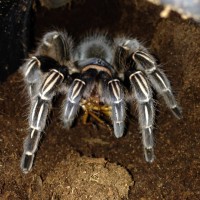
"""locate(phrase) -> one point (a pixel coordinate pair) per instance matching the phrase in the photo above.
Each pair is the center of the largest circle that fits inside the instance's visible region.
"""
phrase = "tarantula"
(100, 74)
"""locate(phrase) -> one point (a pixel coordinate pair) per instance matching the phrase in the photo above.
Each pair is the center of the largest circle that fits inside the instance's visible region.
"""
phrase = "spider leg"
(146, 63)
(33, 71)
(118, 106)
(44, 74)
(158, 80)
(32, 75)
(40, 107)
(57, 45)
(30, 147)
(80, 87)
(71, 105)
(143, 95)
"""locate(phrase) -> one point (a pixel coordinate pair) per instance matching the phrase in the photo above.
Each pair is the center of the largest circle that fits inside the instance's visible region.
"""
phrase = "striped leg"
(32, 75)
(158, 80)
(81, 87)
(38, 115)
(57, 45)
(162, 85)
(118, 106)
(33, 71)
(143, 95)
(30, 147)
(71, 105)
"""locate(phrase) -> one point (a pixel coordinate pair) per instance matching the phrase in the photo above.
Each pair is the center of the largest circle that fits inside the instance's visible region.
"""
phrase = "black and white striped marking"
(115, 90)
(76, 89)
(53, 79)
(71, 105)
(32, 65)
(145, 60)
(39, 114)
(118, 106)
(141, 87)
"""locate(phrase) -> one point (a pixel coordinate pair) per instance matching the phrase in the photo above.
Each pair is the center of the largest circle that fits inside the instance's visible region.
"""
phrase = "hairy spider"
(99, 74)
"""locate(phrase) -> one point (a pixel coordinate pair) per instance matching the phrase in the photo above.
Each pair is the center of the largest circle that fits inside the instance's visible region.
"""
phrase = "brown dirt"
(175, 174)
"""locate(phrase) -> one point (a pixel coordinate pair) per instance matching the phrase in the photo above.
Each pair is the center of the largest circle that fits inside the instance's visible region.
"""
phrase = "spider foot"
(149, 155)
(27, 162)
(177, 112)
(30, 147)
